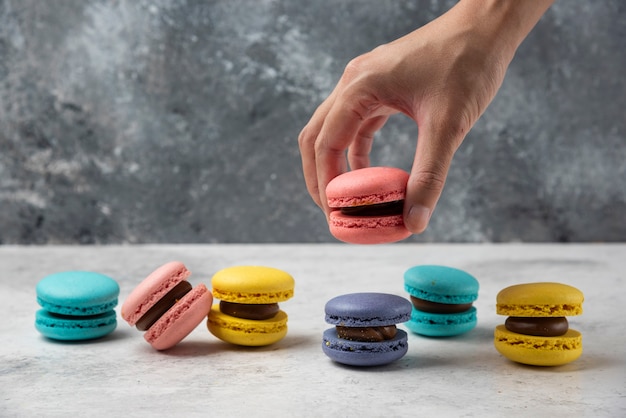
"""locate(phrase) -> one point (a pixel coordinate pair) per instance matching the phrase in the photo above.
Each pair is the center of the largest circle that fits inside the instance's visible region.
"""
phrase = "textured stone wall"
(177, 121)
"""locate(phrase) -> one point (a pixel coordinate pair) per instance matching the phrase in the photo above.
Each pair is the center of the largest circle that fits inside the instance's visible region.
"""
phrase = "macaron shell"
(442, 325)
(252, 285)
(367, 186)
(367, 309)
(75, 328)
(152, 289)
(367, 229)
(538, 351)
(539, 299)
(441, 284)
(247, 332)
(180, 319)
(359, 353)
(77, 293)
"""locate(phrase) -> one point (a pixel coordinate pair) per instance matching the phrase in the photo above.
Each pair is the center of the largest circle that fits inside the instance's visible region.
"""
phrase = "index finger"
(306, 142)
(339, 130)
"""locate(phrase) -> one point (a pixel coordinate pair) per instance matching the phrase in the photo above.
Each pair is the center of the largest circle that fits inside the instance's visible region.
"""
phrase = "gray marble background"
(177, 121)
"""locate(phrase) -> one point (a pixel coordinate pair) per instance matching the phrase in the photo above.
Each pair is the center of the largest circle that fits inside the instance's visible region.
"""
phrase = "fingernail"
(418, 218)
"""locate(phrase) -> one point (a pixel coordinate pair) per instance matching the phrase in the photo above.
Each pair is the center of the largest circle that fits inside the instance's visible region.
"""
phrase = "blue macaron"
(442, 300)
(365, 332)
(76, 305)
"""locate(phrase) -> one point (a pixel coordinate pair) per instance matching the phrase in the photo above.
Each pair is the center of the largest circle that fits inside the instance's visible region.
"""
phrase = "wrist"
(503, 23)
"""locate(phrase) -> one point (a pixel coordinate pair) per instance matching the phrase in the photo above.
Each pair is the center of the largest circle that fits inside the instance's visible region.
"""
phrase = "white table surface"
(121, 375)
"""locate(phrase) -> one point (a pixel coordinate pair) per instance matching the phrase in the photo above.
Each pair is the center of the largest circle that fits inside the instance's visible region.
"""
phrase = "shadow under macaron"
(116, 335)
(214, 346)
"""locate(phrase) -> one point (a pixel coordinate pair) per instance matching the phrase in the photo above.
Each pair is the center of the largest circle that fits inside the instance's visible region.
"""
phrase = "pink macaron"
(166, 306)
(367, 204)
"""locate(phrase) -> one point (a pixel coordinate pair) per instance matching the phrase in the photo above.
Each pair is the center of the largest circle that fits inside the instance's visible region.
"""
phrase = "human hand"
(443, 76)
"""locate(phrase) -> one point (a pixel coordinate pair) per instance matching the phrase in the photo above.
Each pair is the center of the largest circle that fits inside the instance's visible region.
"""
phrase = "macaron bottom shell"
(538, 351)
(181, 319)
(74, 328)
(367, 230)
(359, 353)
(247, 332)
(441, 325)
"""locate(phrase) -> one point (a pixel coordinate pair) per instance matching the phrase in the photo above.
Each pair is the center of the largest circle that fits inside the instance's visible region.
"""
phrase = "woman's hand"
(443, 76)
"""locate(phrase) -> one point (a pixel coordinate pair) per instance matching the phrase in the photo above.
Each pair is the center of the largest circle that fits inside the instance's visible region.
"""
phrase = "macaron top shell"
(539, 299)
(441, 284)
(367, 186)
(77, 293)
(252, 284)
(367, 310)
(152, 289)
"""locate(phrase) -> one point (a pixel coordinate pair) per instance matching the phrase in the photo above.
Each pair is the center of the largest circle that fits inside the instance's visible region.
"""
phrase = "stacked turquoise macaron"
(76, 305)
(442, 299)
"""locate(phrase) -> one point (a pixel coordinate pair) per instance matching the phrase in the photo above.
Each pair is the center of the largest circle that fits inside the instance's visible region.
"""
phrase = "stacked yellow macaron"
(248, 313)
(536, 331)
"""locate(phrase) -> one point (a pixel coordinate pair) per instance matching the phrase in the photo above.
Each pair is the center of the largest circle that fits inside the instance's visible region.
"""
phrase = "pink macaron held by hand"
(366, 205)
(166, 306)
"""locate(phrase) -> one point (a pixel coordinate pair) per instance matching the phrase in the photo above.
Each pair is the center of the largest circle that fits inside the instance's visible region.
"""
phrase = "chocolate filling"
(174, 295)
(537, 326)
(378, 209)
(256, 312)
(442, 308)
(368, 334)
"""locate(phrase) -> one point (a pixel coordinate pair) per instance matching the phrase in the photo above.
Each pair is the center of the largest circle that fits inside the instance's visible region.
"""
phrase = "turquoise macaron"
(442, 299)
(76, 305)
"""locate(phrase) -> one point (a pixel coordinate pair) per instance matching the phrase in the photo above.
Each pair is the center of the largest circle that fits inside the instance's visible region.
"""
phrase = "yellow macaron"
(248, 313)
(536, 331)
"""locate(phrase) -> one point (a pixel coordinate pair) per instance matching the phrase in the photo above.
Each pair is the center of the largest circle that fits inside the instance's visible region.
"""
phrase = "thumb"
(432, 161)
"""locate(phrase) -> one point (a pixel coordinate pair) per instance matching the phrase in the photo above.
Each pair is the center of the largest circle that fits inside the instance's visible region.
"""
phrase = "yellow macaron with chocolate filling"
(536, 331)
(248, 313)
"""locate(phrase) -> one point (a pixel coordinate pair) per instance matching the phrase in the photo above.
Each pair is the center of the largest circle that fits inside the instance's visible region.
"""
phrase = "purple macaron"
(365, 332)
